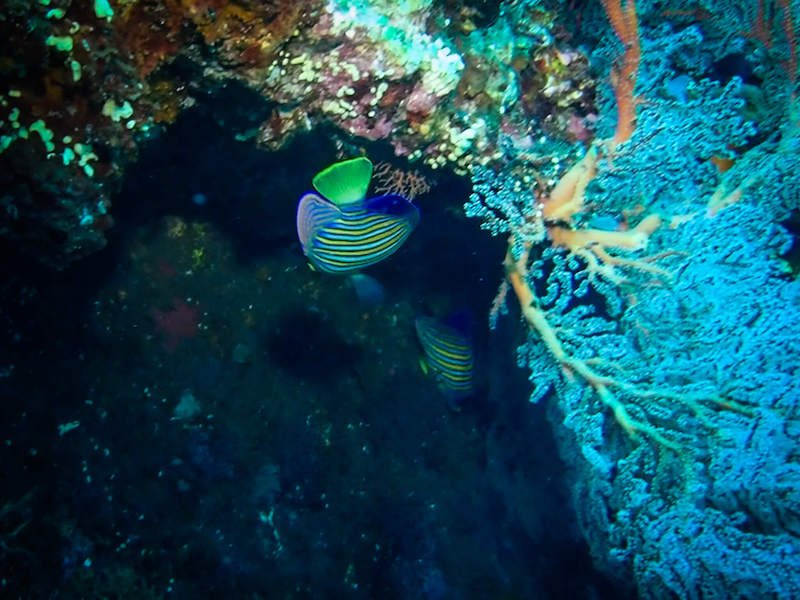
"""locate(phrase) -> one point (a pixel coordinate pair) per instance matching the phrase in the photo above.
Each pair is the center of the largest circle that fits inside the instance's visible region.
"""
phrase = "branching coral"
(673, 376)
(600, 258)
(555, 215)
(592, 246)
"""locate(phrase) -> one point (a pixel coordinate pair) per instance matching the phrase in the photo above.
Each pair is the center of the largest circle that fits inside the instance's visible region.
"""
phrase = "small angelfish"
(449, 355)
(341, 231)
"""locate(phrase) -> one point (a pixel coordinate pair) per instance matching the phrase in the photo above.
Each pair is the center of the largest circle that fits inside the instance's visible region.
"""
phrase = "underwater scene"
(413, 299)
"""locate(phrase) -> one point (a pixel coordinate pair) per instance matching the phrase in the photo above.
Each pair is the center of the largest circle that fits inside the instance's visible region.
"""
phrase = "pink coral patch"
(177, 324)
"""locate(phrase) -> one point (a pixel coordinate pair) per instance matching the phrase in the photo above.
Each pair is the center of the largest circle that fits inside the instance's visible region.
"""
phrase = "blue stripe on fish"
(449, 355)
(348, 239)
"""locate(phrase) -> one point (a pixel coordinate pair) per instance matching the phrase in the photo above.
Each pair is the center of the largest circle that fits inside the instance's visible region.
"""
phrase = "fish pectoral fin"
(423, 365)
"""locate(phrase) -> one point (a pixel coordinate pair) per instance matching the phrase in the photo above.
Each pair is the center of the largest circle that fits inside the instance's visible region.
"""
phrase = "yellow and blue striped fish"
(448, 354)
(341, 231)
(347, 239)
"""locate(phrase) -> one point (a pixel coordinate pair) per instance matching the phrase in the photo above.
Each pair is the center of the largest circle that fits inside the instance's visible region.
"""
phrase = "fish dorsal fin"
(430, 330)
(313, 213)
(345, 182)
(393, 205)
(460, 323)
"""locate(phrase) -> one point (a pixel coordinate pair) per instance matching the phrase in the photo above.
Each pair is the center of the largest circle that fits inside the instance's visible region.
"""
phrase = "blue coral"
(698, 496)
(719, 517)
(504, 204)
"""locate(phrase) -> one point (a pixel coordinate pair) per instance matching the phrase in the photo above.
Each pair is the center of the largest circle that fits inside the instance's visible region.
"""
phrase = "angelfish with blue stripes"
(449, 356)
(341, 230)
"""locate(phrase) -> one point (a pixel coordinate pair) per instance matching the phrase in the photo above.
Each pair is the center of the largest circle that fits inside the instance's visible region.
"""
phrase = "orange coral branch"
(537, 321)
(724, 197)
(566, 199)
(633, 239)
(625, 23)
(762, 30)
(787, 24)
(592, 245)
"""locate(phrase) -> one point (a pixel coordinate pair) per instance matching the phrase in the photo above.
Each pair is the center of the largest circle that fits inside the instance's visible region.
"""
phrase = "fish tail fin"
(345, 182)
